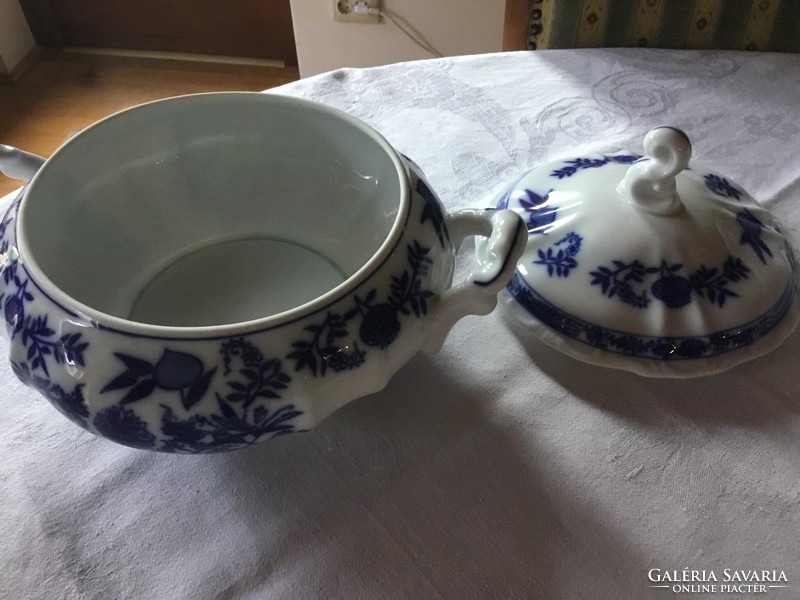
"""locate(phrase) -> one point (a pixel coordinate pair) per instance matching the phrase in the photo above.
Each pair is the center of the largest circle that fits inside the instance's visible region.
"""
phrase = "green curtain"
(763, 25)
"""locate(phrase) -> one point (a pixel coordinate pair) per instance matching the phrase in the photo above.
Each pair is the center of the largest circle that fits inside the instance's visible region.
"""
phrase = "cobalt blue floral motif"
(752, 229)
(560, 256)
(124, 426)
(626, 281)
(540, 213)
(71, 404)
(712, 283)
(380, 324)
(244, 414)
(251, 381)
(39, 339)
(379, 320)
(43, 347)
(619, 281)
(722, 187)
(173, 372)
(240, 396)
(406, 296)
(644, 346)
(580, 164)
(671, 288)
(231, 430)
(502, 204)
(14, 304)
(323, 349)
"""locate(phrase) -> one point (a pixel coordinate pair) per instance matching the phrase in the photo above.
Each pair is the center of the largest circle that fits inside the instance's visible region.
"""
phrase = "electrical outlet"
(344, 10)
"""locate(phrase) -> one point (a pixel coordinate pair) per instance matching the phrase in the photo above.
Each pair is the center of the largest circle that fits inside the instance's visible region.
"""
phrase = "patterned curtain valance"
(765, 25)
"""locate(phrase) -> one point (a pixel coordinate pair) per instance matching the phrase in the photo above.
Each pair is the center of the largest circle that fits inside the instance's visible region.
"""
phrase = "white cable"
(411, 33)
(362, 8)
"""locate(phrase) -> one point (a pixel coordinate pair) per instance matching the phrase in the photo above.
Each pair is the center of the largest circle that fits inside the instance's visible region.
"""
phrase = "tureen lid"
(650, 264)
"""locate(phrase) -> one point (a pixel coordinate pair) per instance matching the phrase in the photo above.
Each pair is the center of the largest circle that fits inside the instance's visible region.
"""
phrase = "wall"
(453, 27)
(16, 41)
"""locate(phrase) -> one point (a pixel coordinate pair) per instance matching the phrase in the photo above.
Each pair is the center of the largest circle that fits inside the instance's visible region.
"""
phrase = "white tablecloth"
(495, 468)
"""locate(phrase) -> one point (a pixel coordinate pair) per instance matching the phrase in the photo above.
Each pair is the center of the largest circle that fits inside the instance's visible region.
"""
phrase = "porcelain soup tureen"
(650, 263)
(208, 272)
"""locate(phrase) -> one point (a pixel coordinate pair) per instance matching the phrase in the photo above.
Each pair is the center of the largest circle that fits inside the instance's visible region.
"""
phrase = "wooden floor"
(64, 92)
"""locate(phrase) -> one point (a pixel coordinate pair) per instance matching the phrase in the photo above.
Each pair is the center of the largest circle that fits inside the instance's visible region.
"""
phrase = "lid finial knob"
(649, 183)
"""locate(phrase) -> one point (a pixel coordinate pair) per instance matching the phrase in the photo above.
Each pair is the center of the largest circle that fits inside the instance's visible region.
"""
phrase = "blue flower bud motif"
(380, 326)
(177, 370)
(672, 289)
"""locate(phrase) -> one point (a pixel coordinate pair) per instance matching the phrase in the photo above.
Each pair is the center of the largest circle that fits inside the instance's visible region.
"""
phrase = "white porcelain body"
(208, 272)
(688, 276)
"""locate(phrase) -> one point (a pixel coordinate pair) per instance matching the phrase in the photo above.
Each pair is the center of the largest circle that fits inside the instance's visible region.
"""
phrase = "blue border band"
(647, 346)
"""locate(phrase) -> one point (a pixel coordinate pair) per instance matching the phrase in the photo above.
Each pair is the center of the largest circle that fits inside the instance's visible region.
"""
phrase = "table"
(495, 468)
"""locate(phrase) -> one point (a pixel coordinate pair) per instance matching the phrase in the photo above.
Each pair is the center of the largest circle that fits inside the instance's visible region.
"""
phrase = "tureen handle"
(18, 164)
(506, 235)
(649, 184)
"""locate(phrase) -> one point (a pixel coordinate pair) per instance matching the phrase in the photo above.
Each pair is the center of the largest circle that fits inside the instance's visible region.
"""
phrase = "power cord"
(362, 8)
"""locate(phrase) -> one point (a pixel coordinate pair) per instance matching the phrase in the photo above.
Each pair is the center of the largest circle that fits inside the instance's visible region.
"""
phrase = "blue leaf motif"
(559, 258)
(722, 187)
(579, 164)
(752, 229)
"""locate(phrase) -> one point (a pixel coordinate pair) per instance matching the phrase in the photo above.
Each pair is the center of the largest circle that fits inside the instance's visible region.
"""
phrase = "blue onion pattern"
(252, 382)
(636, 284)
(378, 320)
(205, 394)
